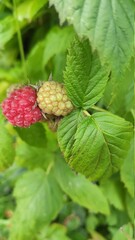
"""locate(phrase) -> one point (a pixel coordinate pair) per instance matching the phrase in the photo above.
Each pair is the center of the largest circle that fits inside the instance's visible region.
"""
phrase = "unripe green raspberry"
(52, 99)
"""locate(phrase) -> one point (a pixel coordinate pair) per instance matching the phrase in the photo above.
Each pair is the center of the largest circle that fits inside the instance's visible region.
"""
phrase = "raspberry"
(20, 107)
(52, 99)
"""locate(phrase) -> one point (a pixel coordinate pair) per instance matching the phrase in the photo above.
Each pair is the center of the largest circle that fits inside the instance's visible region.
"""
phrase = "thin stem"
(20, 41)
(98, 109)
(86, 113)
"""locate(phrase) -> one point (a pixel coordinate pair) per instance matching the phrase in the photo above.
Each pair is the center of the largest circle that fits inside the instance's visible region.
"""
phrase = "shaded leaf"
(34, 136)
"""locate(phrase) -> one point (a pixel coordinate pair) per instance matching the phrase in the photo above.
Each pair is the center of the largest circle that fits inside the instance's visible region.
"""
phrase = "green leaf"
(56, 41)
(7, 150)
(34, 136)
(39, 199)
(128, 170)
(114, 192)
(97, 236)
(96, 146)
(124, 233)
(109, 25)
(25, 13)
(119, 93)
(80, 189)
(53, 232)
(28, 9)
(130, 206)
(85, 79)
(59, 62)
(7, 30)
(33, 157)
(66, 131)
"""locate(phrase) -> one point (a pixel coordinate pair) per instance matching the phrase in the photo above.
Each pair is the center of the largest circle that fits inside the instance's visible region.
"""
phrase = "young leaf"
(34, 136)
(39, 200)
(7, 150)
(98, 145)
(128, 170)
(80, 189)
(109, 25)
(85, 79)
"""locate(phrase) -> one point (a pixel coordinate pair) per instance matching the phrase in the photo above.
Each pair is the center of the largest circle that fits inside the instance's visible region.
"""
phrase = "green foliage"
(119, 94)
(107, 24)
(99, 143)
(126, 232)
(39, 199)
(53, 232)
(80, 189)
(114, 192)
(25, 12)
(34, 136)
(42, 196)
(7, 150)
(85, 79)
(128, 169)
(56, 41)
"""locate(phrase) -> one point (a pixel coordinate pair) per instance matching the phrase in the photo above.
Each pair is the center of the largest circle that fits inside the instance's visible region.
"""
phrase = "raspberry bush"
(66, 143)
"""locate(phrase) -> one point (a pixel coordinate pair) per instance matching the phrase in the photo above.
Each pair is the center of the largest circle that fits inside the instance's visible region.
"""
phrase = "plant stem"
(20, 41)
(86, 113)
(98, 109)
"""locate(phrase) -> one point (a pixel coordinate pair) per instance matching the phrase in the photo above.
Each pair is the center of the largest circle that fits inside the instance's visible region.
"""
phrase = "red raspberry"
(20, 107)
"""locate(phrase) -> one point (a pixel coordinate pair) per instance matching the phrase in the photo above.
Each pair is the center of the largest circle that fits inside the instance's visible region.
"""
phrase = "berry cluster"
(25, 105)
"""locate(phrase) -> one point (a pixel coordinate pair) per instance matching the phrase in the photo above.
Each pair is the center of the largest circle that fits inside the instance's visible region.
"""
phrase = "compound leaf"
(99, 144)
